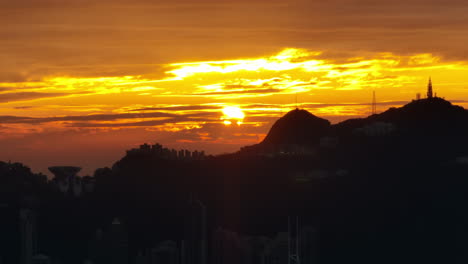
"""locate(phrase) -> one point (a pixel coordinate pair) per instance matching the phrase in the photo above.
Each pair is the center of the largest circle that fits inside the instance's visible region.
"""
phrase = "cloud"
(24, 96)
(23, 107)
(243, 91)
(180, 108)
(149, 123)
(166, 118)
(109, 40)
(100, 117)
(6, 75)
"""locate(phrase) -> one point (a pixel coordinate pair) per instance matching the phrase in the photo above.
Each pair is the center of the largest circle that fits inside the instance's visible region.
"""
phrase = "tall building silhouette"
(10, 239)
(117, 243)
(110, 245)
(308, 245)
(96, 248)
(227, 248)
(165, 252)
(429, 89)
(41, 259)
(277, 250)
(28, 235)
(194, 246)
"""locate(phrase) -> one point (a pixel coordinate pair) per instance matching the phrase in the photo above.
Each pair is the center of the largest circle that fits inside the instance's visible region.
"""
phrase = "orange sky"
(82, 81)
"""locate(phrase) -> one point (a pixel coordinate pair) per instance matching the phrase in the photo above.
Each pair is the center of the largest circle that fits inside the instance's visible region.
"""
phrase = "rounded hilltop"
(298, 126)
(433, 112)
(296, 132)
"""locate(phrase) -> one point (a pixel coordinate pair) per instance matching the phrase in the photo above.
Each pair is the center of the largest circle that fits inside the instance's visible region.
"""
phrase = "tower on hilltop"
(429, 89)
(374, 104)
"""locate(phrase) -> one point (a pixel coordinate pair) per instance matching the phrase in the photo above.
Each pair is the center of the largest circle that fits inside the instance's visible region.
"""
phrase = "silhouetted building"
(376, 129)
(158, 151)
(97, 248)
(141, 258)
(277, 250)
(227, 248)
(298, 245)
(418, 96)
(165, 253)
(157, 148)
(10, 236)
(110, 246)
(293, 240)
(117, 243)
(41, 259)
(195, 243)
(181, 154)
(187, 155)
(166, 153)
(173, 154)
(28, 233)
(255, 247)
(308, 247)
(308, 175)
(88, 184)
(329, 142)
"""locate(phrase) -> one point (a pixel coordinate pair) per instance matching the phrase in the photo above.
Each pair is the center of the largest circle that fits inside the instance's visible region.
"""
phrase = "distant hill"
(297, 128)
(432, 117)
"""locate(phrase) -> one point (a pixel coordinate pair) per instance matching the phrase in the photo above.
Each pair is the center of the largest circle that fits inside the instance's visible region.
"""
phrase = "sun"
(232, 114)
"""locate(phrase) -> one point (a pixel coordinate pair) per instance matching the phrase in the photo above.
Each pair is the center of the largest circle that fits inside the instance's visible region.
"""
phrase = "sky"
(83, 81)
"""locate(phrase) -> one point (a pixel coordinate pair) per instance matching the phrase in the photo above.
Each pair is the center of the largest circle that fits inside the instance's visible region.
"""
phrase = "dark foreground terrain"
(389, 188)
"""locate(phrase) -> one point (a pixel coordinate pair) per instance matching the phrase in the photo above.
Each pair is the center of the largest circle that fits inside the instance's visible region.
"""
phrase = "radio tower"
(293, 241)
(374, 104)
(429, 89)
(297, 106)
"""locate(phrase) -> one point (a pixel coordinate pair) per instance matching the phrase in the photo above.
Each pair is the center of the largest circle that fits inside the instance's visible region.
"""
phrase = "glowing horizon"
(85, 81)
(260, 86)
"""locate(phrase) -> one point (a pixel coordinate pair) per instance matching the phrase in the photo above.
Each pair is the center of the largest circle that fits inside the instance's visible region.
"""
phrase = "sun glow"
(283, 61)
(193, 96)
(232, 114)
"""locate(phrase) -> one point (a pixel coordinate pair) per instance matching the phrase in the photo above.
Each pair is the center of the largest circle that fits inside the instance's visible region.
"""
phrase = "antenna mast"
(293, 241)
(374, 104)
(296, 102)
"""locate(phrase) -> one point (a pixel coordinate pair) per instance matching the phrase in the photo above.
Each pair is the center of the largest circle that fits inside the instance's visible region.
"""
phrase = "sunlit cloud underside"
(228, 101)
